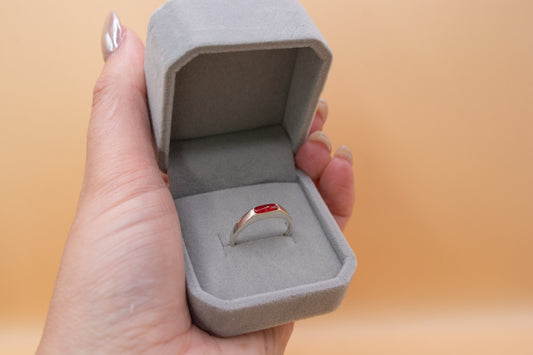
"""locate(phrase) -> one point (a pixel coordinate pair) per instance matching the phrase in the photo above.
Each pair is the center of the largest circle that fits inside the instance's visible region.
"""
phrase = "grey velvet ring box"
(232, 89)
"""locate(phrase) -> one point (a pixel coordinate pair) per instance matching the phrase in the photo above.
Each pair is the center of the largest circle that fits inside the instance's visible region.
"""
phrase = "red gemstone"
(266, 208)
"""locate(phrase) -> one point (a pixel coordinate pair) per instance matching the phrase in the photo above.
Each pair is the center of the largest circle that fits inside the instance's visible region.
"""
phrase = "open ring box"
(232, 89)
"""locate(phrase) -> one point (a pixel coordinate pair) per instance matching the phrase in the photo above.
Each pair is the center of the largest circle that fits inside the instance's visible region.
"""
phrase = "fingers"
(333, 176)
(268, 341)
(119, 147)
(321, 116)
(336, 185)
(283, 334)
(314, 155)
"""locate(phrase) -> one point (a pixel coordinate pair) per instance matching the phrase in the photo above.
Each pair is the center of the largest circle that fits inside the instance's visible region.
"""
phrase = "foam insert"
(264, 260)
(230, 160)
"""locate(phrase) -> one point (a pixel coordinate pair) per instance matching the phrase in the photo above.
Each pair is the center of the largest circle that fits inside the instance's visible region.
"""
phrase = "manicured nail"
(322, 109)
(345, 153)
(319, 136)
(111, 35)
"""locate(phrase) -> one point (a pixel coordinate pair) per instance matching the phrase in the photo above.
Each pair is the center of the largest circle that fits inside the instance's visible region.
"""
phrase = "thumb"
(119, 141)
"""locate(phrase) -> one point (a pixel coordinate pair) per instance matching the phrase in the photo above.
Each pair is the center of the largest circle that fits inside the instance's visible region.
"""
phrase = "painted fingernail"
(322, 109)
(319, 136)
(345, 153)
(111, 35)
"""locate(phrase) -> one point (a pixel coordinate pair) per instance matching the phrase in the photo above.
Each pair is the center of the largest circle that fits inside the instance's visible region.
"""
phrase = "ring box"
(232, 89)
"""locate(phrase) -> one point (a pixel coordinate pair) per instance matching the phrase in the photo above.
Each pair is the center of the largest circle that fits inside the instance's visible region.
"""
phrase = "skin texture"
(121, 283)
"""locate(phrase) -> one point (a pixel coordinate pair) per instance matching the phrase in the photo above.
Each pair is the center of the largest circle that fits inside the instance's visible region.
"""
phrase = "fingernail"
(111, 35)
(319, 136)
(345, 153)
(322, 109)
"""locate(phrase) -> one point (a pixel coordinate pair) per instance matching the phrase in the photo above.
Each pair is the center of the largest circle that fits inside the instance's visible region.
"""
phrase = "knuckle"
(105, 93)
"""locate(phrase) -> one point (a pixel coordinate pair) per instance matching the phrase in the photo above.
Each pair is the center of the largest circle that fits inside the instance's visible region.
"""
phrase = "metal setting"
(259, 213)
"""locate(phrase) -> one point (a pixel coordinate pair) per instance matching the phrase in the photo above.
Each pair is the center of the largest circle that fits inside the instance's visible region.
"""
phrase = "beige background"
(435, 98)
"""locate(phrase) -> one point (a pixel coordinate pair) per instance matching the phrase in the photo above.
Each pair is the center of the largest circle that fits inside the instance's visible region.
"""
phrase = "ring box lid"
(257, 65)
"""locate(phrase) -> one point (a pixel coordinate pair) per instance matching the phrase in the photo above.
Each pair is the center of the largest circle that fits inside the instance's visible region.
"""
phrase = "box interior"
(263, 260)
(235, 118)
(223, 92)
(229, 160)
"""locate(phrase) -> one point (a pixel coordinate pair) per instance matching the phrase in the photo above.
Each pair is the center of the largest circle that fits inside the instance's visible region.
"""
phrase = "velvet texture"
(232, 92)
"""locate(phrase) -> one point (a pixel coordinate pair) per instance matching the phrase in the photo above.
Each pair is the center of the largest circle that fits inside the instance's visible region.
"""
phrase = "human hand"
(121, 283)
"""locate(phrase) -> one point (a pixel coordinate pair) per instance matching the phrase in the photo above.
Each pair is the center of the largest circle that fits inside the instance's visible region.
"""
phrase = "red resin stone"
(266, 208)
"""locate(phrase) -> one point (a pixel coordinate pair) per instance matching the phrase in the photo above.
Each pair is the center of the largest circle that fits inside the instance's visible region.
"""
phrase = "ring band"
(258, 213)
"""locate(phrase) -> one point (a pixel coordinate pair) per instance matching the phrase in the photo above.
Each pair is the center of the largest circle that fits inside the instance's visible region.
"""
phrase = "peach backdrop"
(435, 98)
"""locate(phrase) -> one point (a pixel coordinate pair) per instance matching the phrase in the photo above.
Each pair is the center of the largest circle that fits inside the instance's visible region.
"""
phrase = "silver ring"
(258, 213)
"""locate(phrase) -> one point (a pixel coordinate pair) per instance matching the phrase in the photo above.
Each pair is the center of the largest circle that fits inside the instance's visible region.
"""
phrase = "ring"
(258, 213)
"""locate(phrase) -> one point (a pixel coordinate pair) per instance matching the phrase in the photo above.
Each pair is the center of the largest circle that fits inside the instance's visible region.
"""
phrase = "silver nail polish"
(111, 35)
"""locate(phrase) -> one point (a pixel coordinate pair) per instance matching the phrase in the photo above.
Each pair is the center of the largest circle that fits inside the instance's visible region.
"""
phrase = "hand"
(121, 283)
(333, 176)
